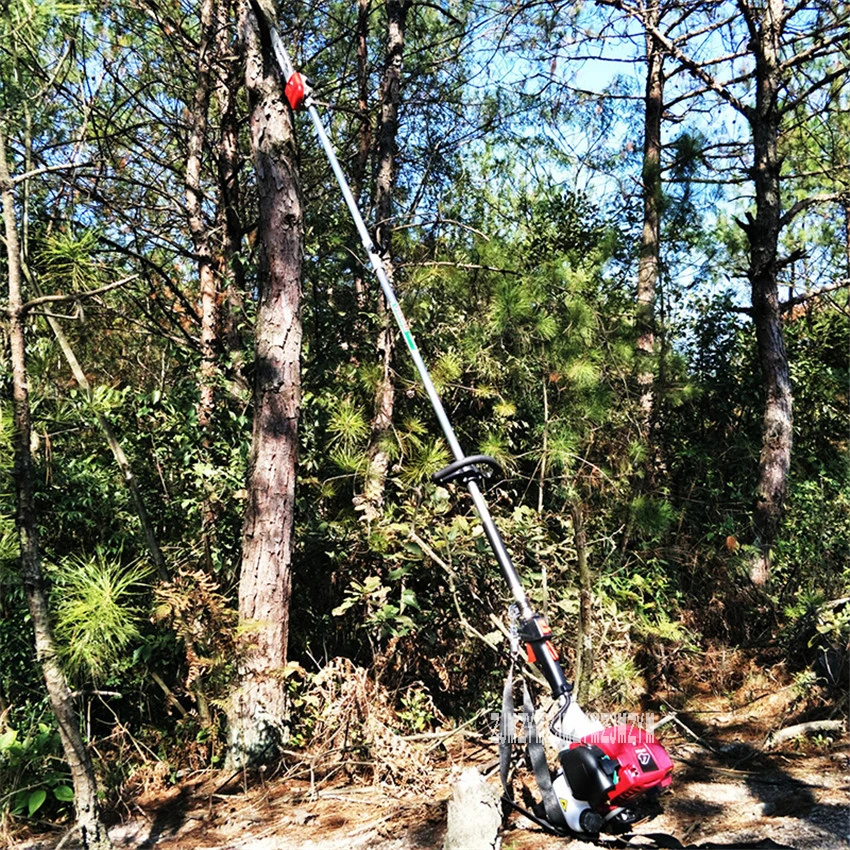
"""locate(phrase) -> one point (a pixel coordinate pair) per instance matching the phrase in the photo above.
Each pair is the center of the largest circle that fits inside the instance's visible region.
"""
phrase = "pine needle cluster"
(98, 610)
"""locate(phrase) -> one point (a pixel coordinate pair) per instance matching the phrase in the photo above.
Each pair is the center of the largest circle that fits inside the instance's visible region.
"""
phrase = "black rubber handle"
(467, 469)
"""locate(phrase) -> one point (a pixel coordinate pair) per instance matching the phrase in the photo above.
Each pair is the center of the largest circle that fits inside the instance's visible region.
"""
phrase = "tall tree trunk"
(200, 231)
(650, 243)
(195, 214)
(378, 457)
(229, 222)
(763, 234)
(257, 712)
(89, 822)
(364, 133)
(584, 636)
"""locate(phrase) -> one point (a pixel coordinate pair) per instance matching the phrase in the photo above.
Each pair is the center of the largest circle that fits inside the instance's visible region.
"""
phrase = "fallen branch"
(68, 835)
(463, 729)
(169, 694)
(673, 718)
(789, 733)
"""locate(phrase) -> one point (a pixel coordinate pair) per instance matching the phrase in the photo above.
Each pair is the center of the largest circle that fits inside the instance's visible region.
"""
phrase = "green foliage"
(347, 425)
(813, 553)
(564, 225)
(422, 457)
(376, 611)
(833, 625)
(68, 261)
(97, 604)
(652, 517)
(620, 681)
(520, 292)
(32, 777)
(417, 711)
(9, 545)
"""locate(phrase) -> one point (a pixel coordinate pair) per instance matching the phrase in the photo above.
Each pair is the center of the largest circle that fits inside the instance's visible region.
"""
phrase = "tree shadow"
(766, 777)
(167, 820)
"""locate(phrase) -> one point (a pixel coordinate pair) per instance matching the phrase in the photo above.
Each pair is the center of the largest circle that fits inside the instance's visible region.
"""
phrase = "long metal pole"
(490, 530)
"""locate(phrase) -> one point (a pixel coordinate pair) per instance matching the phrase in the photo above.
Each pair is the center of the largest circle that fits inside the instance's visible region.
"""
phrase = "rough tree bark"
(766, 25)
(378, 457)
(257, 711)
(89, 822)
(364, 133)
(649, 263)
(229, 223)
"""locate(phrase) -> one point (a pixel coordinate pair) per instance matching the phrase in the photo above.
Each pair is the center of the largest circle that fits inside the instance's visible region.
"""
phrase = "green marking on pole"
(402, 323)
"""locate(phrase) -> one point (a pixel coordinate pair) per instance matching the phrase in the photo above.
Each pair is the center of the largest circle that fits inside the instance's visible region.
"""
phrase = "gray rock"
(475, 814)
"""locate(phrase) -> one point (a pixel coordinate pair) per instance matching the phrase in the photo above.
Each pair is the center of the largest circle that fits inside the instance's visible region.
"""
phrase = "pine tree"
(89, 819)
(257, 712)
(785, 44)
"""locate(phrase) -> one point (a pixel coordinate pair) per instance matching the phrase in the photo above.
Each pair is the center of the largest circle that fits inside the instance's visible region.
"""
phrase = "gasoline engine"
(606, 778)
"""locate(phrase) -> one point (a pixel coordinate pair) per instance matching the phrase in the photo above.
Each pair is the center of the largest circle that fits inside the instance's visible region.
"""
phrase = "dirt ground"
(729, 790)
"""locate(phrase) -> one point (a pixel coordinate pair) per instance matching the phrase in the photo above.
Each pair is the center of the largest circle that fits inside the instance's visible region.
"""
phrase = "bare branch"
(695, 69)
(794, 102)
(789, 733)
(77, 296)
(810, 201)
(785, 306)
(442, 11)
(46, 169)
(821, 48)
(797, 7)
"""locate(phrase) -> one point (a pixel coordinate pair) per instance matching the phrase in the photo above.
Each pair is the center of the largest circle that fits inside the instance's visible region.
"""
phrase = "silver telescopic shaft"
(490, 529)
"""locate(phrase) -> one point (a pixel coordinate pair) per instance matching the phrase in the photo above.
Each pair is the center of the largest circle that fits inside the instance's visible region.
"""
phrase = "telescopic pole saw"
(603, 771)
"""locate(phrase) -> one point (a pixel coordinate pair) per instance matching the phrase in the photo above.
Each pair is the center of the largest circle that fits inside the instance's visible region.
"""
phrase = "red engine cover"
(644, 763)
